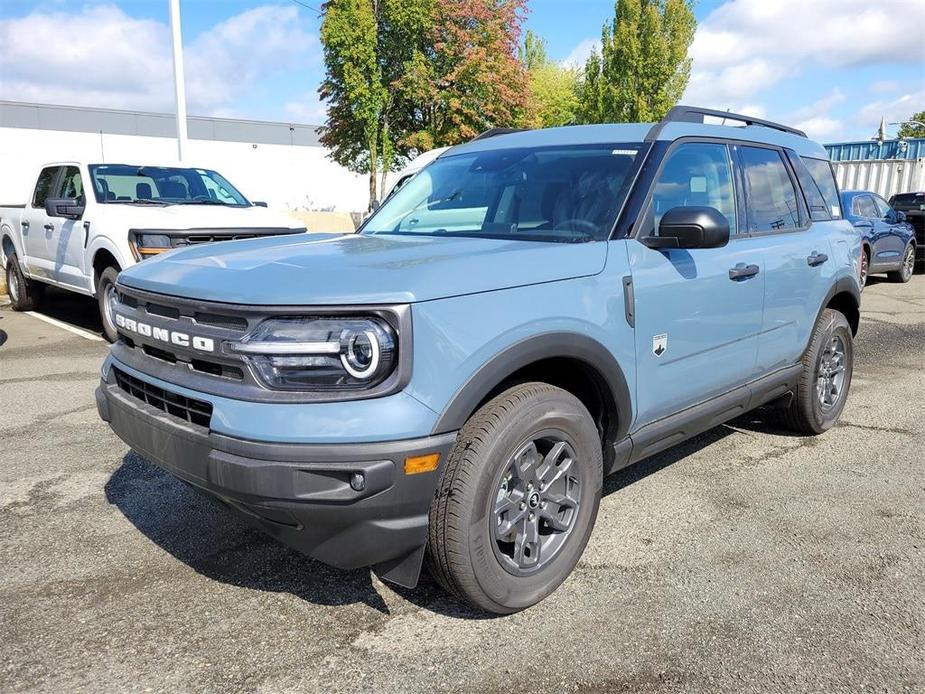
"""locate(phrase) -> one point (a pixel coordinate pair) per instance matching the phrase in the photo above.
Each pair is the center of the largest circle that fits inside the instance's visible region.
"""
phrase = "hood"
(328, 269)
(195, 217)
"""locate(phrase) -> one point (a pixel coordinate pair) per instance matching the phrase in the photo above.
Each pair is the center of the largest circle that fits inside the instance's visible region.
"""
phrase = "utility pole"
(179, 86)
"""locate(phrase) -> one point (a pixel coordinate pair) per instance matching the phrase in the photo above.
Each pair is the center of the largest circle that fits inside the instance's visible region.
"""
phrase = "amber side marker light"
(421, 463)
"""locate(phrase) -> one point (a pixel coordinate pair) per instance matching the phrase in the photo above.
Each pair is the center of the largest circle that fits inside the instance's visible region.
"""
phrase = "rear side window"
(864, 207)
(822, 174)
(771, 197)
(815, 202)
(696, 174)
(44, 185)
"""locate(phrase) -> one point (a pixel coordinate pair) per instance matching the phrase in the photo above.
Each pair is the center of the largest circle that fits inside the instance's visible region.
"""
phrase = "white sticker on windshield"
(631, 152)
(836, 213)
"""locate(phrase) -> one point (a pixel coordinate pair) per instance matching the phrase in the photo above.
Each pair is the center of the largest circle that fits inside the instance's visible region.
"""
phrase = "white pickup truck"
(86, 222)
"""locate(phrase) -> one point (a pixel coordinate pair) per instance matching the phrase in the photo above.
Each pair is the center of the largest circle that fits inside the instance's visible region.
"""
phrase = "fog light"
(357, 482)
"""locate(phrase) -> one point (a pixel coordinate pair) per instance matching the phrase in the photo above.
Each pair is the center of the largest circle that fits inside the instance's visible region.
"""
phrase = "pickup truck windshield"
(120, 183)
(563, 194)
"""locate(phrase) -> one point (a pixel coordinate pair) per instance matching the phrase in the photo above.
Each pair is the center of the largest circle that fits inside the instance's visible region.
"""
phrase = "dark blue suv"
(529, 313)
(887, 238)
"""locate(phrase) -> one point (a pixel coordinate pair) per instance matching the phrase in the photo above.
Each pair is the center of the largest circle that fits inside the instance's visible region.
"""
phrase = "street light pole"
(179, 86)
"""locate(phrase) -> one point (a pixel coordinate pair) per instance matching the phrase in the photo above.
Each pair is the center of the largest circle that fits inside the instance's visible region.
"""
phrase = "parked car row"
(86, 222)
(889, 241)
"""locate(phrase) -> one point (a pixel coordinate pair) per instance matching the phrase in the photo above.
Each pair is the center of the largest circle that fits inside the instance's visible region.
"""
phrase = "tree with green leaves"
(909, 129)
(553, 88)
(368, 45)
(642, 68)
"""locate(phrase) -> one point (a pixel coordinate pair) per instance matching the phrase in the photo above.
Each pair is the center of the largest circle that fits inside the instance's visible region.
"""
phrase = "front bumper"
(298, 493)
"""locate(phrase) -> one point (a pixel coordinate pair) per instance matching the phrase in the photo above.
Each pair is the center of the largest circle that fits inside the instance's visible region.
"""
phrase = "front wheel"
(828, 365)
(906, 268)
(106, 297)
(517, 499)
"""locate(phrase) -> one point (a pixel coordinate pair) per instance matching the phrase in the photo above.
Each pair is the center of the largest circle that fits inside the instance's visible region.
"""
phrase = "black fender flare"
(569, 345)
(844, 285)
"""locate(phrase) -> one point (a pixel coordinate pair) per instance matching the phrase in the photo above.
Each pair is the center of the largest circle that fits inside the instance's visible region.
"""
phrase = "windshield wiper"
(141, 201)
(206, 202)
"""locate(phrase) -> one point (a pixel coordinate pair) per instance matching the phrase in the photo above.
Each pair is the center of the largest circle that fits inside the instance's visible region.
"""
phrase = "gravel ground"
(747, 559)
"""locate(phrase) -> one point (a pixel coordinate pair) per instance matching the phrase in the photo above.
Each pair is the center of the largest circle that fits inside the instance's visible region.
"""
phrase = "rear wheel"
(517, 499)
(828, 365)
(865, 266)
(906, 268)
(106, 297)
(25, 294)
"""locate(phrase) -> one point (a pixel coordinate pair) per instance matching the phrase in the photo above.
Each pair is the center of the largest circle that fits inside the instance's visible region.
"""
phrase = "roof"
(15, 114)
(627, 133)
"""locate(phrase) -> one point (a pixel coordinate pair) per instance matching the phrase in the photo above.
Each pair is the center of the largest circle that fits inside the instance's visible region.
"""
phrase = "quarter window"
(44, 185)
(772, 199)
(815, 202)
(822, 174)
(696, 174)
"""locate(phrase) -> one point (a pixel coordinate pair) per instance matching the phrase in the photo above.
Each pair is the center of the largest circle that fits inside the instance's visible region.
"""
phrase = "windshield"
(565, 194)
(157, 185)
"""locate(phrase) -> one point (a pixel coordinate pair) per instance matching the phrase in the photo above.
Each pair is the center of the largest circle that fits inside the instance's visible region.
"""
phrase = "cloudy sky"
(831, 67)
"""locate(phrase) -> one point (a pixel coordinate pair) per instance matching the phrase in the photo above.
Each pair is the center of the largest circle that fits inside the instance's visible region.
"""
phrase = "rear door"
(696, 328)
(788, 214)
(37, 227)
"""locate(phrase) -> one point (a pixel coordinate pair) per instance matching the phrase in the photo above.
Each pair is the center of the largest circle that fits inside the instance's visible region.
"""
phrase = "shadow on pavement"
(74, 309)
(216, 543)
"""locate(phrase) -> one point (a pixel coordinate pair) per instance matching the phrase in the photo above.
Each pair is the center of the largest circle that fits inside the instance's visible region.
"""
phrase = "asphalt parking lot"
(747, 559)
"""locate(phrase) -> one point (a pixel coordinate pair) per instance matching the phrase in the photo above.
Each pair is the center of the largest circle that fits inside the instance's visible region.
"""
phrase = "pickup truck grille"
(190, 410)
(181, 238)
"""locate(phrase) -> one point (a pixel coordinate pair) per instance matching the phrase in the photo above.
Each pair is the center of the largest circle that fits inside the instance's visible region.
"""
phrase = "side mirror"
(900, 216)
(259, 204)
(690, 227)
(69, 208)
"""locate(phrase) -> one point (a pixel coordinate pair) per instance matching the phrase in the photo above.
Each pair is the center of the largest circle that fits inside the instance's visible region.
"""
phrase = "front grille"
(190, 410)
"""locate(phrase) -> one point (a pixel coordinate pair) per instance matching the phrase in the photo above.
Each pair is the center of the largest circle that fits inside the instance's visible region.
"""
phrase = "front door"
(67, 240)
(697, 324)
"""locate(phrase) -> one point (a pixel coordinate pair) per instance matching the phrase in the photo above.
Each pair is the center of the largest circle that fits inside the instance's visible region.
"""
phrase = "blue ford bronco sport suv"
(531, 312)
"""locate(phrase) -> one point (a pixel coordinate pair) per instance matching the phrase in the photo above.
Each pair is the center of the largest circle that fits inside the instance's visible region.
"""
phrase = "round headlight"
(361, 353)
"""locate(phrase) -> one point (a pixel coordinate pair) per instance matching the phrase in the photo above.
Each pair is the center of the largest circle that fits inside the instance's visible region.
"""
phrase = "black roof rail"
(492, 132)
(695, 114)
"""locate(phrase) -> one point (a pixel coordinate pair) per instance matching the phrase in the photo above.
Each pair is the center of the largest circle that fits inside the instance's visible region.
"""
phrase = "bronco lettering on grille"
(173, 337)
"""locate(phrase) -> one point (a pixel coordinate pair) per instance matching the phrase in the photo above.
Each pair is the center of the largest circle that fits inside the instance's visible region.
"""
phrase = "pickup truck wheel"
(826, 377)
(106, 296)
(517, 499)
(25, 294)
(906, 268)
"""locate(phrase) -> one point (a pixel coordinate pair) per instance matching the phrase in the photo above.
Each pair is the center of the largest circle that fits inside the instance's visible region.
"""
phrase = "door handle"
(742, 271)
(25, 224)
(817, 259)
(49, 227)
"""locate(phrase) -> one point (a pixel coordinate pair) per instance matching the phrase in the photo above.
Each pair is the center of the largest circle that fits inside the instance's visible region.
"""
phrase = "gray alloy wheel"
(106, 298)
(865, 267)
(12, 283)
(831, 372)
(517, 499)
(907, 267)
(539, 495)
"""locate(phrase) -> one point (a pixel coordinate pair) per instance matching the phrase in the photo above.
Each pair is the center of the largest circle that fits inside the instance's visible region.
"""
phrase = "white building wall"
(885, 177)
(287, 177)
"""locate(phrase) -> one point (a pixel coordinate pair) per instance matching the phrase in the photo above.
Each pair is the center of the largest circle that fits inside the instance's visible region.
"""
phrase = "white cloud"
(307, 108)
(746, 46)
(891, 110)
(580, 53)
(120, 61)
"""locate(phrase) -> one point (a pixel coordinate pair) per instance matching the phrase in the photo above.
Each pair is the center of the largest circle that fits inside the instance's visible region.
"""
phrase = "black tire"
(464, 555)
(104, 285)
(25, 294)
(906, 267)
(865, 267)
(807, 414)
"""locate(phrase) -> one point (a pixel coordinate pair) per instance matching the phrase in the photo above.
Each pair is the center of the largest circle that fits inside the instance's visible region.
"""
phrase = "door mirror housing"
(691, 227)
(69, 208)
(900, 216)
(259, 203)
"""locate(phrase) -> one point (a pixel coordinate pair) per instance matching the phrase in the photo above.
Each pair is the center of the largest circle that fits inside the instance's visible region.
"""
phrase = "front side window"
(44, 185)
(561, 194)
(821, 171)
(883, 210)
(772, 199)
(695, 174)
(70, 185)
(119, 183)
